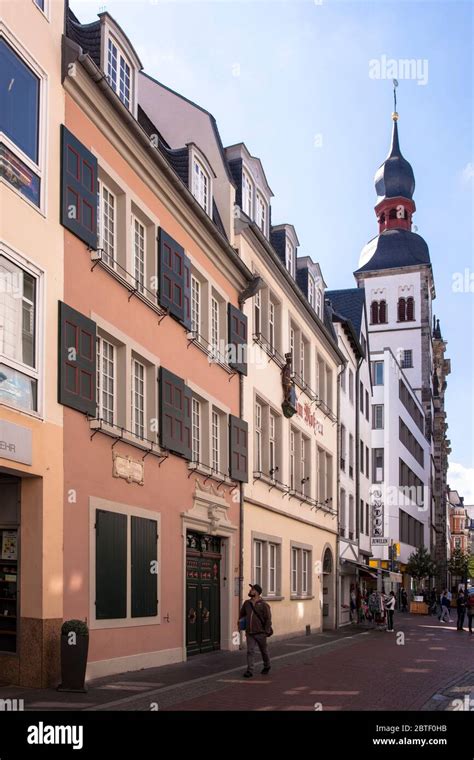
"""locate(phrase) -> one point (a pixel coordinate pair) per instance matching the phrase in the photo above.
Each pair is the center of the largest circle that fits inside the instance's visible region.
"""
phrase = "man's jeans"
(461, 614)
(253, 641)
(445, 614)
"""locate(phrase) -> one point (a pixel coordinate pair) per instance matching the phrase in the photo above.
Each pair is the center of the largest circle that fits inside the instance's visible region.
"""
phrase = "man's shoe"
(266, 670)
(248, 674)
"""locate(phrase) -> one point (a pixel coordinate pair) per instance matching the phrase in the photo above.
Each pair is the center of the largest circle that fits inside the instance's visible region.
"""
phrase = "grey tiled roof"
(395, 248)
(395, 178)
(348, 303)
(86, 35)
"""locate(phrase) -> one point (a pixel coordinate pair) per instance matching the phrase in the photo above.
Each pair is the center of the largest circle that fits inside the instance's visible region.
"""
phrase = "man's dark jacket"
(260, 623)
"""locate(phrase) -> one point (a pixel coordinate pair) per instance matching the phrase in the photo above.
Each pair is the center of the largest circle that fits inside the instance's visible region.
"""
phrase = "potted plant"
(74, 649)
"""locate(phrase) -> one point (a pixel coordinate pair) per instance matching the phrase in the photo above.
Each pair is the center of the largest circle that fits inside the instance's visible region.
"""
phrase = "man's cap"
(257, 587)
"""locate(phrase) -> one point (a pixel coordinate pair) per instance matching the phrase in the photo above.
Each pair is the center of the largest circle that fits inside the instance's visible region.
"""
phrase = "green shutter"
(175, 414)
(77, 360)
(78, 189)
(238, 435)
(171, 268)
(110, 565)
(144, 567)
(237, 332)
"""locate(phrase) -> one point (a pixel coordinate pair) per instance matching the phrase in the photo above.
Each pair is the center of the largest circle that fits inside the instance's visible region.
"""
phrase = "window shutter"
(110, 565)
(175, 414)
(238, 449)
(171, 268)
(77, 360)
(238, 339)
(144, 576)
(78, 189)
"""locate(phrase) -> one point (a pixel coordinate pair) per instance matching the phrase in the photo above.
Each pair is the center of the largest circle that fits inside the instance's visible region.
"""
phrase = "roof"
(395, 178)
(87, 36)
(349, 303)
(392, 249)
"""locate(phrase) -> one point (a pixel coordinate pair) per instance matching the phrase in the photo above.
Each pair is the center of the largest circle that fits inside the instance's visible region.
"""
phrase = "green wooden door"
(202, 594)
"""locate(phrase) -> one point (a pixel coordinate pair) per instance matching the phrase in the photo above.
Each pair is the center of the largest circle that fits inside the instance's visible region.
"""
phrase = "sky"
(307, 85)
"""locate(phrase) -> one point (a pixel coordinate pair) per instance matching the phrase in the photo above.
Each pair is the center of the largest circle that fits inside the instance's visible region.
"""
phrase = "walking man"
(461, 607)
(256, 620)
(390, 607)
(444, 609)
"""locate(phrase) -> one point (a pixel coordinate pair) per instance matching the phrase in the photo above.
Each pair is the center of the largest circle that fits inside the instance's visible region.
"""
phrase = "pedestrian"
(444, 613)
(404, 600)
(390, 607)
(470, 608)
(353, 605)
(461, 607)
(256, 620)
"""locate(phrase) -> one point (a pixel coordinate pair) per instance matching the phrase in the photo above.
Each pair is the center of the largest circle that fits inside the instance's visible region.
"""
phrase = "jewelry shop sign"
(15, 443)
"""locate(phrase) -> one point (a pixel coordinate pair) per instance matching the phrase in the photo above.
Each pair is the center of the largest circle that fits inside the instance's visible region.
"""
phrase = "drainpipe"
(338, 489)
(357, 457)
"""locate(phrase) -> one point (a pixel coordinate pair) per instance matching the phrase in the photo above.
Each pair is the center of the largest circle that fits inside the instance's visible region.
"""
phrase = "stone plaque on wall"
(131, 470)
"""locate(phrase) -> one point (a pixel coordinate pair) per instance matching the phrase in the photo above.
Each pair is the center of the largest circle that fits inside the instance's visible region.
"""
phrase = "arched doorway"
(328, 589)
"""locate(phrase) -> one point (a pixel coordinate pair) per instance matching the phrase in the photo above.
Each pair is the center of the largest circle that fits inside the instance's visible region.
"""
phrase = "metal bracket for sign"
(162, 458)
(118, 439)
(233, 489)
(132, 293)
(163, 316)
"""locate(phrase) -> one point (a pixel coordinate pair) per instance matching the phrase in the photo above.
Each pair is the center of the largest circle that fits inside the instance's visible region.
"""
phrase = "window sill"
(269, 481)
(26, 412)
(214, 358)
(301, 597)
(273, 598)
(127, 280)
(39, 209)
(120, 434)
(203, 469)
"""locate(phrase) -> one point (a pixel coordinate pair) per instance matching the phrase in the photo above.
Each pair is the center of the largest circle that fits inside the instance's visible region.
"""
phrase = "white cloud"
(467, 173)
(461, 479)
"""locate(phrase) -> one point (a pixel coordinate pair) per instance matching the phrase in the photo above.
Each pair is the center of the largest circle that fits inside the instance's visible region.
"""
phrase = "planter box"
(73, 664)
(418, 608)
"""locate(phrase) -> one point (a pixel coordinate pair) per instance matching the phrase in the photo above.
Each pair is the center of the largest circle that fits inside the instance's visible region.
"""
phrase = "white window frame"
(257, 569)
(257, 312)
(215, 440)
(272, 443)
(271, 324)
(195, 305)
(319, 303)
(201, 184)
(311, 287)
(262, 213)
(136, 421)
(121, 58)
(37, 168)
(290, 257)
(196, 421)
(271, 589)
(258, 437)
(109, 415)
(37, 372)
(139, 243)
(292, 459)
(248, 194)
(109, 257)
(294, 570)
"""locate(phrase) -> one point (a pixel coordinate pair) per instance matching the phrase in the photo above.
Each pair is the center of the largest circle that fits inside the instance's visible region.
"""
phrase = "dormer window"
(201, 185)
(247, 195)
(319, 303)
(261, 213)
(311, 291)
(290, 258)
(119, 72)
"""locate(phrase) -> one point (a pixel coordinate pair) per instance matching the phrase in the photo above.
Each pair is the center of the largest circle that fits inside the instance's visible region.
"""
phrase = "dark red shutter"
(171, 267)
(410, 309)
(77, 360)
(78, 189)
(175, 412)
(237, 339)
(374, 312)
(238, 432)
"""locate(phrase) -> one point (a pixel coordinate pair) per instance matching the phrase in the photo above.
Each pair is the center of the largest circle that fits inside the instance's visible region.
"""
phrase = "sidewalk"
(114, 692)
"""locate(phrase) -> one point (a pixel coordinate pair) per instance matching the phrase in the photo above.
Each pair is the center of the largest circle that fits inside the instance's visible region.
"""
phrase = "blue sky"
(291, 80)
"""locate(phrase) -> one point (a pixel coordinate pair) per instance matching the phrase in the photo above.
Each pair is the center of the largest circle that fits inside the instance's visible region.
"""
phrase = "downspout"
(338, 489)
(357, 452)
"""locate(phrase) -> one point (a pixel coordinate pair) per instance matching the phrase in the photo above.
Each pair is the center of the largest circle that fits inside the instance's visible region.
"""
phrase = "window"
(201, 185)
(378, 466)
(361, 397)
(406, 309)
(119, 73)
(351, 386)
(258, 562)
(343, 448)
(351, 455)
(361, 456)
(214, 324)
(361, 518)
(18, 336)
(407, 359)
(377, 416)
(367, 525)
(343, 380)
(257, 312)
(105, 380)
(377, 373)
(272, 446)
(343, 514)
(138, 399)
(19, 124)
(351, 518)
(324, 490)
(106, 224)
(216, 437)
(292, 348)
(258, 437)
(272, 569)
(195, 305)
(300, 571)
(261, 214)
(247, 194)
(378, 312)
(319, 303)
(410, 442)
(139, 255)
(292, 460)
(410, 405)
(305, 444)
(367, 462)
(271, 324)
(290, 258)
(367, 406)
(40, 4)
(196, 430)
